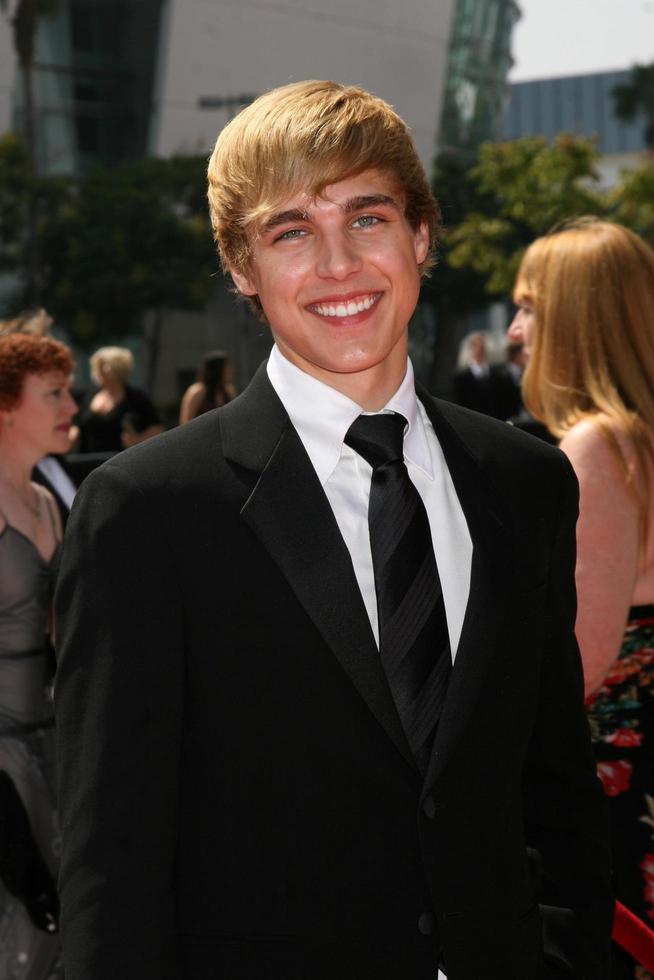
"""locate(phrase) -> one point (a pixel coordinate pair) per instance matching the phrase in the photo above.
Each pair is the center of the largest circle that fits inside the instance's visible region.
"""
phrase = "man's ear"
(243, 282)
(421, 242)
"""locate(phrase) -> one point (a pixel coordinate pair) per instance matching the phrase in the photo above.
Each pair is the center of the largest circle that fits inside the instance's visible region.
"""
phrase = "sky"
(575, 37)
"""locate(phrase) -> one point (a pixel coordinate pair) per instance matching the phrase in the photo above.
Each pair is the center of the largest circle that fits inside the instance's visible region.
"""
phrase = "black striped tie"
(414, 644)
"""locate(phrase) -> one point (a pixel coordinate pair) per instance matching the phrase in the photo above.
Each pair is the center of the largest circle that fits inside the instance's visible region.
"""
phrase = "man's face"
(338, 279)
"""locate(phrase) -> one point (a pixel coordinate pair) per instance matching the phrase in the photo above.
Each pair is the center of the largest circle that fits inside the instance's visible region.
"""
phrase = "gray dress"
(26, 740)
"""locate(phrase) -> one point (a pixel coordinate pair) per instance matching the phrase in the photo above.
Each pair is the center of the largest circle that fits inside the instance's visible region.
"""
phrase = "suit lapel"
(288, 511)
(491, 538)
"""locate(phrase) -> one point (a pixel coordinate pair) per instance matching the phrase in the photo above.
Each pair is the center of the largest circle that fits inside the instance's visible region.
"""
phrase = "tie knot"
(378, 438)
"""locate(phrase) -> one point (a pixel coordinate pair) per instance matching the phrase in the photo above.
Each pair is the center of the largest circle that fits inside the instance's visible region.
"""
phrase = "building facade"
(118, 79)
(93, 76)
(479, 59)
(115, 80)
(581, 105)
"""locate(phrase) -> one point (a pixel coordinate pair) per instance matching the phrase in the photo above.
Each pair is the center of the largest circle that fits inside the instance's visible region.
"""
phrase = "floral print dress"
(621, 716)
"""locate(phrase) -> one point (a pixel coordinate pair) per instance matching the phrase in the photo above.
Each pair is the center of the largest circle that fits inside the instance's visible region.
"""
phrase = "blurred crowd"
(112, 414)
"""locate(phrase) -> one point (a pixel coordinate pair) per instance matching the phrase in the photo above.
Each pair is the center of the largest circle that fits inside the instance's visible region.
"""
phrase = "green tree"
(451, 292)
(492, 210)
(636, 96)
(523, 188)
(127, 242)
(24, 22)
(22, 196)
(634, 201)
(14, 179)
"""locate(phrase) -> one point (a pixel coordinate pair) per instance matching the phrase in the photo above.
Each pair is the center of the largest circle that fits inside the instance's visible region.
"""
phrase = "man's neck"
(370, 389)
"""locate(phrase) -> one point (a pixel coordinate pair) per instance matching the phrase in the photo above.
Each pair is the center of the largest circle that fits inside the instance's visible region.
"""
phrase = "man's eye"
(290, 234)
(366, 221)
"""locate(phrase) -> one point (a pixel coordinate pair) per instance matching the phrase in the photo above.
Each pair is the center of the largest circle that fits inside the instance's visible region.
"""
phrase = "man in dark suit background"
(481, 386)
(319, 701)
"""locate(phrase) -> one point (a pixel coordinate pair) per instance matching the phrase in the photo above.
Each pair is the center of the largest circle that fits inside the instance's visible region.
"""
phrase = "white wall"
(611, 166)
(229, 47)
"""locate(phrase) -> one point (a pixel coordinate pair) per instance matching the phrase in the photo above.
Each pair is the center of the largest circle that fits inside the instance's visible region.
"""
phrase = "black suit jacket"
(237, 795)
(494, 393)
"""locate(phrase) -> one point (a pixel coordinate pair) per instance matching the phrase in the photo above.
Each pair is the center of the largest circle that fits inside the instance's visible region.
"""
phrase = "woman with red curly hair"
(36, 409)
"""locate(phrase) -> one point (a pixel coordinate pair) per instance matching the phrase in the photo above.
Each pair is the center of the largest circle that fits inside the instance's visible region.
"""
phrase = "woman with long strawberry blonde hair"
(585, 296)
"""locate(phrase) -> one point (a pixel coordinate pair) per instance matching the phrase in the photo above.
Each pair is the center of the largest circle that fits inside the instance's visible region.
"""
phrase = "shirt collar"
(322, 415)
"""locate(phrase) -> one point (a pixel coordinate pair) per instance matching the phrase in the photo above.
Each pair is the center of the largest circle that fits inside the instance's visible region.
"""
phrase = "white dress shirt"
(479, 370)
(321, 416)
(53, 471)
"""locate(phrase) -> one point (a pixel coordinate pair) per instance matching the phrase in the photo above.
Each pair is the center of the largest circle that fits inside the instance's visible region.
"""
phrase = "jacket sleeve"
(118, 702)
(565, 810)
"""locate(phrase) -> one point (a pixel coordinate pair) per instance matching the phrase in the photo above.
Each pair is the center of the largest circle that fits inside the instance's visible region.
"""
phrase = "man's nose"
(337, 257)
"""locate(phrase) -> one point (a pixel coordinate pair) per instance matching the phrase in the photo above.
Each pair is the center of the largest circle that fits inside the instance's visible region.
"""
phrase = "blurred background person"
(36, 322)
(212, 389)
(36, 409)
(114, 415)
(586, 318)
(471, 385)
(480, 385)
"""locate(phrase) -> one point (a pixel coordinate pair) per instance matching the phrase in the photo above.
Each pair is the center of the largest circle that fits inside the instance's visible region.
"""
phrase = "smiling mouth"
(350, 307)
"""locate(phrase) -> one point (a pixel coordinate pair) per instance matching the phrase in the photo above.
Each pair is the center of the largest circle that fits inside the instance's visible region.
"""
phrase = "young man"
(319, 699)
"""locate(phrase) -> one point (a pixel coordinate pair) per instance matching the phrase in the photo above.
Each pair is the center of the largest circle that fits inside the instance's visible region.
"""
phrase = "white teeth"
(345, 309)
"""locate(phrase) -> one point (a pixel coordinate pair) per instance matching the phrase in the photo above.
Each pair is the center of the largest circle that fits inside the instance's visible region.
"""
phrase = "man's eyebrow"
(284, 217)
(369, 201)
(353, 204)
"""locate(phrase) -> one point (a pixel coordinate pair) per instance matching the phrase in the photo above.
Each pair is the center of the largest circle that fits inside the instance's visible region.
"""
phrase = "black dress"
(27, 952)
(102, 433)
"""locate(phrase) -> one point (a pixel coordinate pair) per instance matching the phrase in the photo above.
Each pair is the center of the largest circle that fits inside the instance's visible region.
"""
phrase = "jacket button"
(429, 807)
(427, 923)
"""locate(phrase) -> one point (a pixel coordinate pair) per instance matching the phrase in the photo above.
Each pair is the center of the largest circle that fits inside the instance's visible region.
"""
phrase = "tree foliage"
(520, 190)
(23, 196)
(127, 241)
(633, 202)
(24, 20)
(14, 181)
(450, 287)
(636, 96)
(116, 245)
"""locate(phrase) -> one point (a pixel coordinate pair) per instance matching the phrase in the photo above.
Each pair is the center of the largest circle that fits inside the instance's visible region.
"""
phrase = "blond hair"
(36, 322)
(119, 359)
(303, 137)
(591, 284)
